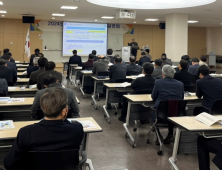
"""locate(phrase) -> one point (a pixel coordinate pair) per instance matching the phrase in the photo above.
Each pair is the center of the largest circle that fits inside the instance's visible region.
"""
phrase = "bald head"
(132, 59)
(101, 56)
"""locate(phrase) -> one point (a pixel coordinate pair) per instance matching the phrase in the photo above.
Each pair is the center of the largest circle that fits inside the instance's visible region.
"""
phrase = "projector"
(125, 14)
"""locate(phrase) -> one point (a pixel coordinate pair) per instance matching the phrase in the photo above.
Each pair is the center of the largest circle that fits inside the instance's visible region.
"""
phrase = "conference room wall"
(153, 36)
(214, 40)
(13, 36)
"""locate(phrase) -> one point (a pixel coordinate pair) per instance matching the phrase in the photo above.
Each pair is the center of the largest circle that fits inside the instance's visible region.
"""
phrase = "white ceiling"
(207, 15)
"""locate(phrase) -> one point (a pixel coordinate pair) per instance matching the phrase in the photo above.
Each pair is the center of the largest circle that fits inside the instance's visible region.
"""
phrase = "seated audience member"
(157, 72)
(117, 71)
(11, 58)
(208, 87)
(165, 60)
(206, 146)
(187, 58)
(100, 65)
(3, 87)
(11, 65)
(143, 59)
(37, 51)
(132, 68)
(110, 56)
(75, 59)
(7, 51)
(89, 64)
(183, 75)
(203, 60)
(194, 67)
(147, 51)
(167, 89)
(140, 84)
(123, 62)
(33, 68)
(53, 133)
(49, 81)
(95, 56)
(40, 55)
(7, 73)
(49, 69)
(33, 77)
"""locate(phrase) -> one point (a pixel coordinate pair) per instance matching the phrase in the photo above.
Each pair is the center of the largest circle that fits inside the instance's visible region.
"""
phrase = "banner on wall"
(121, 28)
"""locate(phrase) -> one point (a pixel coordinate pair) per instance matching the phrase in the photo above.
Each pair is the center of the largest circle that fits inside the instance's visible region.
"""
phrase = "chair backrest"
(216, 109)
(194, 78)
(142, 92)
(191, 88)
(163, 109)
(212, 72)
(3, 95)
(123, 80)
(51, 160)
(103, 73)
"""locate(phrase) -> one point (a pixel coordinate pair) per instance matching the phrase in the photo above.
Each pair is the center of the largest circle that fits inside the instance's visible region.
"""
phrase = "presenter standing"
(134, 47)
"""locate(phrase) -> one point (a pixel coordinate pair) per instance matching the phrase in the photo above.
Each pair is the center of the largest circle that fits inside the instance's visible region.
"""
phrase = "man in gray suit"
(50, 81)
(157, 72)
(3, 87)
(165, 60)
(100, 65)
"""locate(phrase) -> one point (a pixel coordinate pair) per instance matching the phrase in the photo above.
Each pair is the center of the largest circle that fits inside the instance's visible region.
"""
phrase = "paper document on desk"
(78, 67)
(34, 86)
(24, 73)
(12, 88)
(4, 100)
(19, 100)
(110, 64)
(192, 94)
(7, 124)
(208, 119)
(87, 124)
(123, 85)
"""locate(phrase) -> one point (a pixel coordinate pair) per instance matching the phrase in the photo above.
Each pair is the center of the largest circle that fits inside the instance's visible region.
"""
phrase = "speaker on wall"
(162, 25)
(28, 19)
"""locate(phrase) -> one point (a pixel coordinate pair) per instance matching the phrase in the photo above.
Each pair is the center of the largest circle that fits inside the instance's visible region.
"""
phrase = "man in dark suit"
(144, 84)
(53, 133)
(194, 67)
(167, 89)
(157, 72)
(205, 147)
(147, 51)
(143, 59)
(3, 87)
(49, 81)
(89, 64)
(134, 47)
(110, 56)
(37, 51)
(117, 71)
(132, 68)
(7, 73)
(11, 65)
(33, 77)
(165, 60)
(7, 51)
(49, 69)
(95, 56)
(101, 65)
(208, 87)
(33, 68)
(183, 75)
(75, 59)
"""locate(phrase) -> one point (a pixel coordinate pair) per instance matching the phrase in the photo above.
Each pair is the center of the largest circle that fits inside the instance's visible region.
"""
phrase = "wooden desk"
(21, 69)
(7, 137)
(19, 65)
(17, 92)
(192, 125)
(146, 101)
(21, 75)
(22, 81)
(216, 75)
(85, 73)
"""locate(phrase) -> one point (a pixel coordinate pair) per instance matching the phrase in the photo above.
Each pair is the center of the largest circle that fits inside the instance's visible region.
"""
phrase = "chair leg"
(161, 144)
(135, 134)
(98, 97)
(116, 109)
(89, 164)
(153, 126)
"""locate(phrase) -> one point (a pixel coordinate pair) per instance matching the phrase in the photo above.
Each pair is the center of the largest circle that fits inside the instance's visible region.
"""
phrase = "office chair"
(212, 72)
(190, 88)
(103, 74)
(162, 113)
(3, 95)
(123, 80)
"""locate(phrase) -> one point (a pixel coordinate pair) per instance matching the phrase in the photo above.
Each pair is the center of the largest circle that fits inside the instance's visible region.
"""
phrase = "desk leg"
(94, 95)
(81, 88)
(74, 82)
(106, 105)
(70, 75)
(173, 159)
(125, 125)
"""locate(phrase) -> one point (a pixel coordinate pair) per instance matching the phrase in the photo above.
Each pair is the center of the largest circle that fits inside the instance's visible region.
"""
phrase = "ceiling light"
(1, 3)
(107, 17)
(151, 4)
(151, 19)
(192, 22)
(3, 15)
(58, 15)
(69, 7)
(95, 20)
(3, 12)
(134, 22)
(53, 17)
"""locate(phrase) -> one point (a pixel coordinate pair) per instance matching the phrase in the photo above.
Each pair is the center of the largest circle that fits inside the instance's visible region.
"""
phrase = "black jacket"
(143, 60)
(40, 77)
(31, 69)
(211, 90)
(184, 76)
(33, 76)
(75, 60)
(117, 71)
(111, 58)
(133, 69)
(8, 74)
(143, 84)
(47, 135)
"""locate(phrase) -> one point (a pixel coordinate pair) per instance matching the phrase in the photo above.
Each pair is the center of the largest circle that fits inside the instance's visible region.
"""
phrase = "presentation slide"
(84, 37)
